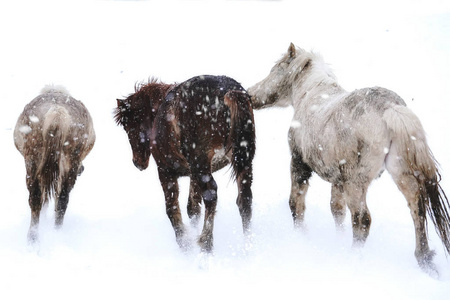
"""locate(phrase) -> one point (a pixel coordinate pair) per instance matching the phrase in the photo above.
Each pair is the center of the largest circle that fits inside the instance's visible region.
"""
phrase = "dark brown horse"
(54, 134)
(193, 129)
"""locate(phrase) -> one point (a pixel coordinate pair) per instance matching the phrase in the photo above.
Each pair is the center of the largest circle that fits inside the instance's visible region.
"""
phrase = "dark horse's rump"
(193, 132)
(193, 118)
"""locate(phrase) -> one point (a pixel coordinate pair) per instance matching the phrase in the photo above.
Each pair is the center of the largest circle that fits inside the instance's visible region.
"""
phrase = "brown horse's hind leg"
(35, 202)
(337, 204)
(61, 205)
(194, 203)
(68, 182)
(169, 184)
(300, 173)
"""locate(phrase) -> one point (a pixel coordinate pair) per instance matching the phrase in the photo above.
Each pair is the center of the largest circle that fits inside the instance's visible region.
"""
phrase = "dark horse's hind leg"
(300, 173)
(208, 187)
(194, 203)
(195, 193)
(35, 202)
(201, 175)
(169, 184)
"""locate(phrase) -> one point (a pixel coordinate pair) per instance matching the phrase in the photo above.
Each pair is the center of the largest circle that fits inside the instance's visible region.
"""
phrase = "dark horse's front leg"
(169, 184)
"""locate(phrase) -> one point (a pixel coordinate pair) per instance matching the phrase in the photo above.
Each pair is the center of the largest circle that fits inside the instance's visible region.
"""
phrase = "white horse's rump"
(348, 139)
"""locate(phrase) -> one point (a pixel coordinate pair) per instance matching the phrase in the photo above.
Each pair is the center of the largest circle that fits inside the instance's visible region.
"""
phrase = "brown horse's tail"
(241, 141)
(55, 128)
(408, 133)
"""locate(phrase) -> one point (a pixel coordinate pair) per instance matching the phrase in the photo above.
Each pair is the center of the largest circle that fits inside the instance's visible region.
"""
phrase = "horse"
(193, 129)
(54, 133)
(348, 139)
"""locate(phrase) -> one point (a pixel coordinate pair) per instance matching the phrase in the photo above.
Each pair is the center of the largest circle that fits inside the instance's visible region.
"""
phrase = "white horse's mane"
(321, 72)
(51, 88)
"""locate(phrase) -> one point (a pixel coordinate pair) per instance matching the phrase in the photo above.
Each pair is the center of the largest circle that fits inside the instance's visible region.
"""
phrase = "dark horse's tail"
(54, 131)
(241, 142)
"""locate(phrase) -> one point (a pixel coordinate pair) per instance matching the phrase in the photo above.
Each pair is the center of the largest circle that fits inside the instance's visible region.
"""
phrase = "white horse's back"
(348, 139)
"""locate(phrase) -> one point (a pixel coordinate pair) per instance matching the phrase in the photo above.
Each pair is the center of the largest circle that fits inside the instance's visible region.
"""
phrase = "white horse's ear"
(292, 50)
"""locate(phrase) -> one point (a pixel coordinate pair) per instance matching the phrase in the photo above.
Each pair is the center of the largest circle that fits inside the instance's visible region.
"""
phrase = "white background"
(117, 240)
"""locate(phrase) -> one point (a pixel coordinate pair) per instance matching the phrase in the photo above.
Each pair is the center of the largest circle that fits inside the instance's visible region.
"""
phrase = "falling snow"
(117, 241)
(25, 129)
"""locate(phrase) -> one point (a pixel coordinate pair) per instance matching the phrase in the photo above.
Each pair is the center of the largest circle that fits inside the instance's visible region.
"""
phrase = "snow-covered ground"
(117, 241)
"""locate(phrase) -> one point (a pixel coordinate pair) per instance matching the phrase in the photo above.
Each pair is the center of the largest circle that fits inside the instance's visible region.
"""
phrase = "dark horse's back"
(201, 125)
(194, 118)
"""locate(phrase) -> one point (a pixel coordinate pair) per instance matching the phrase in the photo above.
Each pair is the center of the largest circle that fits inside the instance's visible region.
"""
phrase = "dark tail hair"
(54, 131)
(241, 141)
(434, 200)
(421, 162)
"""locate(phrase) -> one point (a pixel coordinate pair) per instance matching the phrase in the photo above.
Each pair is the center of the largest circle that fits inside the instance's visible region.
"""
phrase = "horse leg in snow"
(355, 197)
(68, 182)
(300, 173)
(245, 197)
(208, 187)
(169, 184)
(408, 185)
(35, 201)
(337, 204)
(194, 203)
(202, 177)
(61, 205)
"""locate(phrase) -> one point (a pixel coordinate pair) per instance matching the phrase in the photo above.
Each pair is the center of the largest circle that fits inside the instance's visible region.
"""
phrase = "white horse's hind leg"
(337, 204)
(410, 188)
(408, 185)
(355, 197)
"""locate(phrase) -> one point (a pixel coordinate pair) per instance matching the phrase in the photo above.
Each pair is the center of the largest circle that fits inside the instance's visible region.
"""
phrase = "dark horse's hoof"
(206, 244)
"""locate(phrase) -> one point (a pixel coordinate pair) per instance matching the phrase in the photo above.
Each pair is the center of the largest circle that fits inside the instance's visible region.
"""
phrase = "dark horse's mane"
(144, 92)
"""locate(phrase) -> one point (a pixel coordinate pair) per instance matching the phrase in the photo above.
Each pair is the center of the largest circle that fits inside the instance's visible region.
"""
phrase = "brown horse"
(54, 134)
(193, 129)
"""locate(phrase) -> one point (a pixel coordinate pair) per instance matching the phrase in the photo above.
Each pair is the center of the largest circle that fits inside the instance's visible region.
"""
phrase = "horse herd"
(205, 123)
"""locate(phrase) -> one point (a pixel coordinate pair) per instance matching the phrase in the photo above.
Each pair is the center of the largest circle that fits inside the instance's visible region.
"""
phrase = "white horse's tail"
(55, 129)
(417, 160)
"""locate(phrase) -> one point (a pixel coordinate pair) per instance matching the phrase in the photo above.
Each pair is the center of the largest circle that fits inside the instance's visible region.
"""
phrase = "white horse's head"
(276, 88)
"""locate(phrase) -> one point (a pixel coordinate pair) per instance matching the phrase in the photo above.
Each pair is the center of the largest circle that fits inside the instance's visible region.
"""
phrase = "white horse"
(348, 139)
